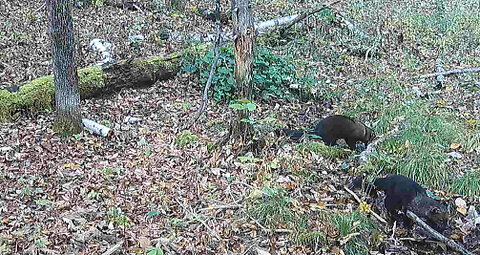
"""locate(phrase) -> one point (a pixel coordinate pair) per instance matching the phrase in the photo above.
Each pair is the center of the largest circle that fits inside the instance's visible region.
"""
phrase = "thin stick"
(234, 206)
(454, 71)
(449, 242)
(218, 40)
(379, 218)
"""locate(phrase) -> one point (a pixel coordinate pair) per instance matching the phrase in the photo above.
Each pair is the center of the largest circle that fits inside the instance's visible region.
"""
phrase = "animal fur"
(335, 127)
(402, 194)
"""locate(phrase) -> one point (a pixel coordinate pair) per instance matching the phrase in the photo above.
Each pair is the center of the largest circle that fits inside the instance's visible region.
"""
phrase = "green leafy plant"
(44, 202)
(185, 138)
(271, 78)
(154, 251)
(272, 208)
(245, 105)
(117, 216)
(469, 184)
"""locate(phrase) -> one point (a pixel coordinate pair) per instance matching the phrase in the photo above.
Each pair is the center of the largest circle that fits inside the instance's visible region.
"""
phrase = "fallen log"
(97, 128)
(449, 242)
(38, 95)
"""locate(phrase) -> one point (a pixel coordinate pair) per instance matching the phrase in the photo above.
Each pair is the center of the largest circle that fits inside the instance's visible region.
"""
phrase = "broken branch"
(96, 128)
(306, 14)
(449, 242)
(454, 71)
(218, 40)
(379, 218)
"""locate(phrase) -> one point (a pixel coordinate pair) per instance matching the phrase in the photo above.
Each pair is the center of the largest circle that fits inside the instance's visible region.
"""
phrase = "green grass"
(274, 211)
(419, 147)
(272, 208)
(468, 185)
(354, 223)
(319, 148)
(418, 132)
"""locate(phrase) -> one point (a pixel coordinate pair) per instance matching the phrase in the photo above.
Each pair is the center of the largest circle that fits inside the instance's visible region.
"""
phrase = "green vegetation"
(272, 73)
(118, 217)
(421, 132)
(154, 251)
(357, 225)
(273, 208)
(321, 149)
(185, 138)
(468, 185)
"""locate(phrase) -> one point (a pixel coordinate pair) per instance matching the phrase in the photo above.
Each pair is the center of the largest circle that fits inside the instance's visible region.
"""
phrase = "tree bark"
(244, 46)
(68, 118)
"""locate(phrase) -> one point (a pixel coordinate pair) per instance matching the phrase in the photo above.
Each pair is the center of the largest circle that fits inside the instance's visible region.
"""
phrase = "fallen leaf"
(454, 146)
(144, 242)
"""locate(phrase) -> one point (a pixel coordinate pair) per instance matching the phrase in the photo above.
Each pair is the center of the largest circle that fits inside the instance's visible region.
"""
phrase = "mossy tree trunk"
(244, 46)
(68, 118)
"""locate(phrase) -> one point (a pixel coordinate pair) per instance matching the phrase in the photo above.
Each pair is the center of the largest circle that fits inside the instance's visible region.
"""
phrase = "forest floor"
(150, 185)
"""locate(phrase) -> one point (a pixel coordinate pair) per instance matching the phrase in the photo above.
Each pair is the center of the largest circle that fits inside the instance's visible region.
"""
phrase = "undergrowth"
(272, 76)
(356, 225)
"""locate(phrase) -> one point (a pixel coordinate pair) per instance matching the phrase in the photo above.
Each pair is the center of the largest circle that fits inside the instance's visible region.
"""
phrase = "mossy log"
(38, 95)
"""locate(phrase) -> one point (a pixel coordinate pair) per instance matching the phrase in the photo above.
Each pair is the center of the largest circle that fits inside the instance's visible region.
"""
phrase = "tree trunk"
(244, 41)
(68, 119)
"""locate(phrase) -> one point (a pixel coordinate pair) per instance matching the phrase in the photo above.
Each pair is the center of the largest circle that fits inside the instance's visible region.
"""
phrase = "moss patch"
(37, 95)
(8, 104)
(90, 80)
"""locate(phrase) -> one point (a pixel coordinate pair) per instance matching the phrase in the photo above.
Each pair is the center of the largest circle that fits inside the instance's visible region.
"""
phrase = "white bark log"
(96, 128)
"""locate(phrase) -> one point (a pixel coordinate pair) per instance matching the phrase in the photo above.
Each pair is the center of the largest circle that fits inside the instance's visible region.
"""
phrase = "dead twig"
(446, 73)
(449, 242)
(198, 218)
(218, 40)
(379, 218)
(234, 206)
(347, 238)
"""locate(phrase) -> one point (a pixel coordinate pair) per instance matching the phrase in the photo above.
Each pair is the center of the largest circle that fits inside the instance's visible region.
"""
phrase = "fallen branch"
(234, 206)
(307, 14)
(218, 40)
(347, 238)
(449, 242)
(446, 73)
(371, 147)
(96, 128)
(266, 27)
(379, 218)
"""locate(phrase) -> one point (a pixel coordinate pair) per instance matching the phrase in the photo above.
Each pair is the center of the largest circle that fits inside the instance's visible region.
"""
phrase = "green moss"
(90, 80)
(143, 66)
(37, 95)
(8, 104)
